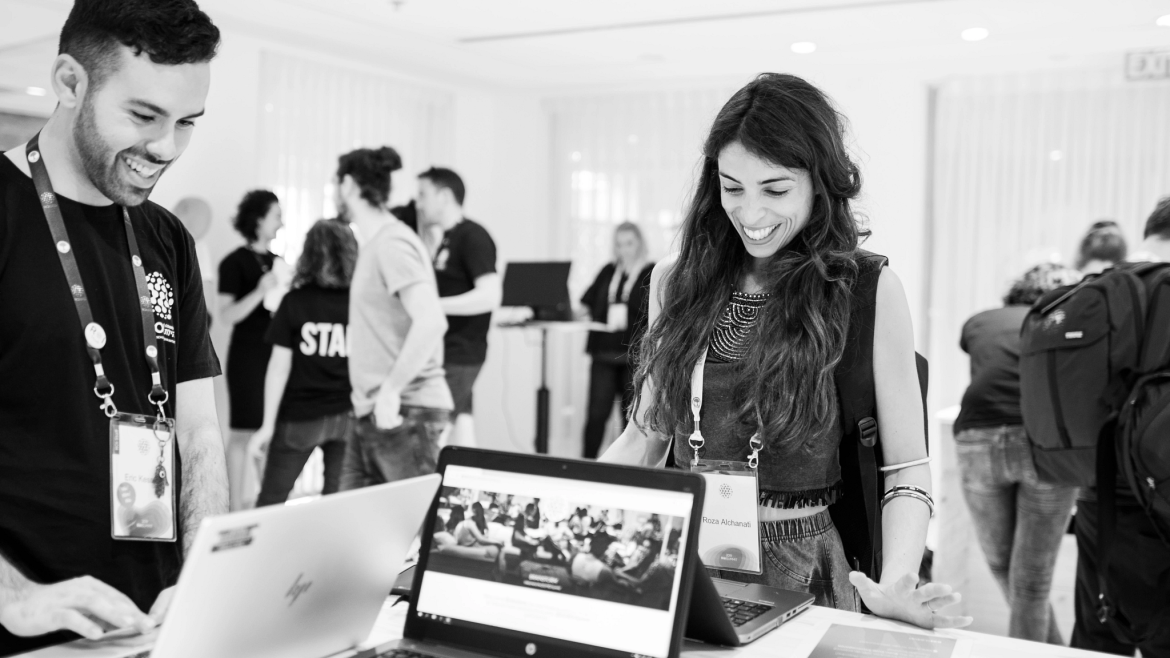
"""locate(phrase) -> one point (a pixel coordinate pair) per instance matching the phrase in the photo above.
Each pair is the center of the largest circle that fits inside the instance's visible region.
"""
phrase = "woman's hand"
(903, 601)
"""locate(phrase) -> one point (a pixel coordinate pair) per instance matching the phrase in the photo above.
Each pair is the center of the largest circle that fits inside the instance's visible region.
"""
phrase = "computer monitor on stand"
(543, 287)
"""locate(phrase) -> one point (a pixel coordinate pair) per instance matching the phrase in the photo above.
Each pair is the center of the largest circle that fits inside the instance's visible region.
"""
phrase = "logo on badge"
(726, 491)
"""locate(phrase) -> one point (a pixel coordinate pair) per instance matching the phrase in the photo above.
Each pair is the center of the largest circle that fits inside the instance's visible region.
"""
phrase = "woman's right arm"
(232, 310)
(634, 446)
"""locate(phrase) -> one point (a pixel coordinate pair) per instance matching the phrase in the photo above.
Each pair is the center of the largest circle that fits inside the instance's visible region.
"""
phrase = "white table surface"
(794, 639)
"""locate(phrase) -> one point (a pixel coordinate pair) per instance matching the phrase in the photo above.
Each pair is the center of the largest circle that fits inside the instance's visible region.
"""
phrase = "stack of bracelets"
(911, 491)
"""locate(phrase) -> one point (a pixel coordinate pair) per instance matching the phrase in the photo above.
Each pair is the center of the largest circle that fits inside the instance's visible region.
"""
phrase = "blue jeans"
(292, 444)
(804, 555)
(1019, 521)
(376, 456)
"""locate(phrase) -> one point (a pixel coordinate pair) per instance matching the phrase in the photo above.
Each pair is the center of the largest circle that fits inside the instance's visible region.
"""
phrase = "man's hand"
(387, 409)
(69, 605)
(158, 611)
(258, 444)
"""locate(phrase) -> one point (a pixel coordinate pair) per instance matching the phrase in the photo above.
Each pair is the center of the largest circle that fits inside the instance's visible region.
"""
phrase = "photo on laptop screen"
(557, 558)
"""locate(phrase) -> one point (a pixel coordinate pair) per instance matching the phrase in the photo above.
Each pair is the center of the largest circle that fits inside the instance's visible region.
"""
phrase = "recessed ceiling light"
(975, 34)
(36, 91)
(1164, 21)
(804, 47)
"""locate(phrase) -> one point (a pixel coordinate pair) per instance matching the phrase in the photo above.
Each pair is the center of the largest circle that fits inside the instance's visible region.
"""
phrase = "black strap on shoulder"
(1106, 513)
(855, 392)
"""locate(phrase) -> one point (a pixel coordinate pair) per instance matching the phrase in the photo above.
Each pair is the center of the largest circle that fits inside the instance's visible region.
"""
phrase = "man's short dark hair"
(440, 177)
(1159, 222)
(169, 31)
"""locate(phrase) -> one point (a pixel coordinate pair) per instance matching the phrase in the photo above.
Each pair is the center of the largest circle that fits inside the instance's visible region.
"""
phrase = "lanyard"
(619, 294)
(696, 441)
(95, 335)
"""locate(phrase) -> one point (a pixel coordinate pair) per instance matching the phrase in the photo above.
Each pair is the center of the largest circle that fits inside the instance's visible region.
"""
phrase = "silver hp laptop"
(534, 556)
(295, 581)
(732, 613)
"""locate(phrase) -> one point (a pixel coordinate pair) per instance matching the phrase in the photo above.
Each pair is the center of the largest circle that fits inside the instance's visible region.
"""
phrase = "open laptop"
(294, 581)
(732, 613)
(580, 559)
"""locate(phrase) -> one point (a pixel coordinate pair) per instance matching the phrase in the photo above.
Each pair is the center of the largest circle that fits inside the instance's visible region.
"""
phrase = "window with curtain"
(310, 113)
(615, 158)
(1023, 165)
(625, 157)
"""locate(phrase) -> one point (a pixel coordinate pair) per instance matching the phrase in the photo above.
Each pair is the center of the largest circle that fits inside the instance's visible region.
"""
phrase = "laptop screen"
(584, 562)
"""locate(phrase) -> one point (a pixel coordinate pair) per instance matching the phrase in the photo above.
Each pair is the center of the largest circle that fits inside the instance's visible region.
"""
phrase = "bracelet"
(898, 467)
(918, 495)
(911, 488)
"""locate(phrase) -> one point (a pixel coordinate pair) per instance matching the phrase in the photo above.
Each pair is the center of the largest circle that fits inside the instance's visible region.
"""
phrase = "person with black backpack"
(775, 327)
(1018, 520)
(1095, 396)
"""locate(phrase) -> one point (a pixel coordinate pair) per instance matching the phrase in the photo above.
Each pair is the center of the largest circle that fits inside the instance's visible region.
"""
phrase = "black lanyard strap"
(95, 335)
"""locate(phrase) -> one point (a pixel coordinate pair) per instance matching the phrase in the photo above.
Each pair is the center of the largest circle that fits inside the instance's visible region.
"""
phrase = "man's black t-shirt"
(313, 323)
(467, 253)
(54, 440)
(992, 338)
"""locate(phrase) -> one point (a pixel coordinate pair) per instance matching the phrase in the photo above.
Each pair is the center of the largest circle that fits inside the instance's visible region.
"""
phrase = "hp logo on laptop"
(297, 589)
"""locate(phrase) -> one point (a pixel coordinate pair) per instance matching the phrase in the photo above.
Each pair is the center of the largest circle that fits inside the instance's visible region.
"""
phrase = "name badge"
(618, 317)
(142, 487)
(729, 537)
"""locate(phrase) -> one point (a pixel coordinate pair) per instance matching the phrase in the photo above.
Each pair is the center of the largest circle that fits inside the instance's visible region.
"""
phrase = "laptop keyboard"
(741, 612)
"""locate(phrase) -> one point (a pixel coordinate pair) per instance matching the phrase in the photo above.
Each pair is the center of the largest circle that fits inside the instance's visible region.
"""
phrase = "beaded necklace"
(733, 330)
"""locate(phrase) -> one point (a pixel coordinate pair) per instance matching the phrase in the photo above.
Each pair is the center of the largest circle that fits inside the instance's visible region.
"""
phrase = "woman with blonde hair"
(616, 298)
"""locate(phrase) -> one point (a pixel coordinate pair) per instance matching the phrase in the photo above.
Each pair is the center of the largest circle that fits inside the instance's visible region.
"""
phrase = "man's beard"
(101, 163)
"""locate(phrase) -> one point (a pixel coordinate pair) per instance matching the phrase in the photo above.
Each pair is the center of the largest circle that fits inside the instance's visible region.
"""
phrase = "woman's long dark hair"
(329, 256)
(478, 517)
(787, 375)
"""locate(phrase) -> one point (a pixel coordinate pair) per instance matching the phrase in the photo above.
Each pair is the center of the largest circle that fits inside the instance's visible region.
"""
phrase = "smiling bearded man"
(100, 293)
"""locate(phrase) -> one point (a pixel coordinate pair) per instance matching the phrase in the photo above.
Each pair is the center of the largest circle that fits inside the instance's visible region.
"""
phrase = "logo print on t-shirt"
(160, 295)
(162, 299)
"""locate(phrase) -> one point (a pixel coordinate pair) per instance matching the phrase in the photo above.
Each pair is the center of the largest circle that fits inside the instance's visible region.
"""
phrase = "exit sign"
(1148, 65)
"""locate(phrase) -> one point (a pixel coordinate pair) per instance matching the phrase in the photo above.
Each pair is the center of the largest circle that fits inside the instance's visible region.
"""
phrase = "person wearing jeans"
(400, 397)
(307, 392)
(1018, 519)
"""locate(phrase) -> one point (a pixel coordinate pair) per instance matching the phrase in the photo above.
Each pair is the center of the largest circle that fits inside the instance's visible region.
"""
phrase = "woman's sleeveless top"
(790, 476)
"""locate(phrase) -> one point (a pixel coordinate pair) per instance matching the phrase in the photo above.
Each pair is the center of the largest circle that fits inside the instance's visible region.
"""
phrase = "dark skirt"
(247, 365)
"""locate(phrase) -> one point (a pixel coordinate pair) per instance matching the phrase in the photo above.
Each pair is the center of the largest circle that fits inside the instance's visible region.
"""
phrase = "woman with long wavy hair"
(762, 292)
(306, 388)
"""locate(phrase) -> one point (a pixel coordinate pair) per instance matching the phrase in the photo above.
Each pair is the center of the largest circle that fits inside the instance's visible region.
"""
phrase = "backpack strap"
(858, 410)
(857, 515)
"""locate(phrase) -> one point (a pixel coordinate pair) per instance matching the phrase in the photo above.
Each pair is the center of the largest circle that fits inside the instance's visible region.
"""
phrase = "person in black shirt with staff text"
(100, 293)
(464, 257)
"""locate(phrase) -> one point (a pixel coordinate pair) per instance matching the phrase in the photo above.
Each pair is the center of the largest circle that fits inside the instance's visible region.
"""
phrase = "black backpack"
(1095, 395)
(858, 513)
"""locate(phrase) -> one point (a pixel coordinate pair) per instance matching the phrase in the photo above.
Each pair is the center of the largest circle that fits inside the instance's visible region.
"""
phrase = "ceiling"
(550, 45)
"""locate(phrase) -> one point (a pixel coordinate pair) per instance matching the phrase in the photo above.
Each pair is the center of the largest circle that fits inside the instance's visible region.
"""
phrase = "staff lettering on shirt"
(324, 339)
